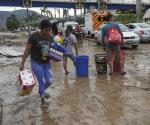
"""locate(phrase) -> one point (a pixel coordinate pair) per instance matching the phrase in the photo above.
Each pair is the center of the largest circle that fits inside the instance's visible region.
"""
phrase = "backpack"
(114, 36)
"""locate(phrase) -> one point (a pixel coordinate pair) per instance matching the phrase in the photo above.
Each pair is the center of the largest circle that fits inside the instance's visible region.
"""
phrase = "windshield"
(71, 24)
(124, 28)
(143, 25)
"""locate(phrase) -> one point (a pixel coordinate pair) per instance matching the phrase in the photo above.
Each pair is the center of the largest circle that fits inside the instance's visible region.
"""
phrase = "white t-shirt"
(69, 41)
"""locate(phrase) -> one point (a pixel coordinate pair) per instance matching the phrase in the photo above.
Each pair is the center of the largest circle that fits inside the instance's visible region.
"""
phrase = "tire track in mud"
(135, 87)
(132, 54)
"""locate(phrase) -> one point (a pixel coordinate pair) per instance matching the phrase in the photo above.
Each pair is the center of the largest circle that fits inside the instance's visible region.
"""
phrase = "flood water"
(93, 100)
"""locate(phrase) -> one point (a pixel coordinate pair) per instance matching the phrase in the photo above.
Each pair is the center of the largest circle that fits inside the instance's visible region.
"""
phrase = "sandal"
(123, 73)
(47, 95)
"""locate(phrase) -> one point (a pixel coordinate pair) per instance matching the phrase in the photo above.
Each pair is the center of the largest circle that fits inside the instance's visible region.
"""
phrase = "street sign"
(27, 3)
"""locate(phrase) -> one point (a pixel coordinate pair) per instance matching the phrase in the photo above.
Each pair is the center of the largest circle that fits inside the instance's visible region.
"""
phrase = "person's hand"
(77, 53)
(21, 67)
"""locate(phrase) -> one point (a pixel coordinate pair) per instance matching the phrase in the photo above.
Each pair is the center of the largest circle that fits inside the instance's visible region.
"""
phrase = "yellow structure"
(95, 19)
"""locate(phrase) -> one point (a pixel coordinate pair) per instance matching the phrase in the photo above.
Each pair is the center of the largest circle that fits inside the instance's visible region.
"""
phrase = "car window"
(143, 25)
(131, 26)
(82, 26)
(124, 28)
(73, 24)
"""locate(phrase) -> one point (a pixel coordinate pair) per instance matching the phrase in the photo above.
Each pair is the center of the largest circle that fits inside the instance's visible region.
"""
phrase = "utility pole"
(27, 4)
(75, 13)
(29, 32)
(138, 10)
(99, 4)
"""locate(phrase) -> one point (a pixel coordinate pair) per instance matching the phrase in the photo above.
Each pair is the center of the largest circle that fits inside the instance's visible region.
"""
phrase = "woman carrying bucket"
(38, 46)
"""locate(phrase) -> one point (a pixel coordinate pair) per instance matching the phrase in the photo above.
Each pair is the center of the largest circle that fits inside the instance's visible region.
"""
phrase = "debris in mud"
(9, 52)
(9, 39)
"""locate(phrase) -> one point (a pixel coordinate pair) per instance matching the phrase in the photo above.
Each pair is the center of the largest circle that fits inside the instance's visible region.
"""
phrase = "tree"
(34, 20)
(125, 18)
(47, 13)
(12, 23)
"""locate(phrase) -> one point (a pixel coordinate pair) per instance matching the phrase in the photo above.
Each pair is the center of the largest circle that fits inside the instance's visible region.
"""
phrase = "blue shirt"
(105, 32)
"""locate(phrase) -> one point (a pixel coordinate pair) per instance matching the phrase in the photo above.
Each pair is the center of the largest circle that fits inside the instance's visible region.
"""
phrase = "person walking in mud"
(38, 46)
(69, 41)
(112, 39)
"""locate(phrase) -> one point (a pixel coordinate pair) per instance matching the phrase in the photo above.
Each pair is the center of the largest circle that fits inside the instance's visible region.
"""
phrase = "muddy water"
(94, 100)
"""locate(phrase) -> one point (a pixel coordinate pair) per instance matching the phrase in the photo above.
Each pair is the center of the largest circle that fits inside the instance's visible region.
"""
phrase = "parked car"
(84, 30)
(82, 27)
(142, 29)
(71, 23)
(129, 37)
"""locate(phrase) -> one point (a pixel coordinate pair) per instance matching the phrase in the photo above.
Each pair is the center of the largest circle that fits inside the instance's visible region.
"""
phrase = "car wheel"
(134, 46)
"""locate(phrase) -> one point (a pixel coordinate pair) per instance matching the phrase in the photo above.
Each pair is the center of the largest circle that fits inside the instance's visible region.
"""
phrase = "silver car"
(129, 37)
(142, 29)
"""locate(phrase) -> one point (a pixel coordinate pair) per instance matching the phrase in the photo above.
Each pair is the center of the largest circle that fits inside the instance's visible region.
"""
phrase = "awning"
(147, 14)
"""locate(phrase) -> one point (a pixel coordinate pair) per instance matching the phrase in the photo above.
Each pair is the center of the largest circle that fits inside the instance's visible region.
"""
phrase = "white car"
(63, 25)
(82, 26)
(129, 37)
(142, 29)
(71, 23)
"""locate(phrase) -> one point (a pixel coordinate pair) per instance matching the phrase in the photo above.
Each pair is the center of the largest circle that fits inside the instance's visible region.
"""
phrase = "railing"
(65, 0)
(128, 1)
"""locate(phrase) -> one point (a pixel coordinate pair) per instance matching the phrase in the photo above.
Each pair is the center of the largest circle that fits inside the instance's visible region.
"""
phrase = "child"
(69, 41)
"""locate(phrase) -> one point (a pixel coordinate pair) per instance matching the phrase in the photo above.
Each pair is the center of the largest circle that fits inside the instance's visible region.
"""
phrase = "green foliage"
(141, 15)
(12, 23)
(33, 20)
(125, 18)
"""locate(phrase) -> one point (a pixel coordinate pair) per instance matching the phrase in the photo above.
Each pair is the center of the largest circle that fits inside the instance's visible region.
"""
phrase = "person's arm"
(76, 48)
(103, 39)
(121, 36)
(120, 32)
(25, 55)
(75, 41)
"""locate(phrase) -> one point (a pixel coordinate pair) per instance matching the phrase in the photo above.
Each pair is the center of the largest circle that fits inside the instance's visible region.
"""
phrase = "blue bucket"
(82, 66)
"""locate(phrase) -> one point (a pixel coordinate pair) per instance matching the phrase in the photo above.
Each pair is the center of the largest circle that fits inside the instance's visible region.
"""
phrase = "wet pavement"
(93, 100)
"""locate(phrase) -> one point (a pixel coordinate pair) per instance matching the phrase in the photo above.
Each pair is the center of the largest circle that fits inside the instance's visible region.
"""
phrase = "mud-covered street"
(93, 100)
